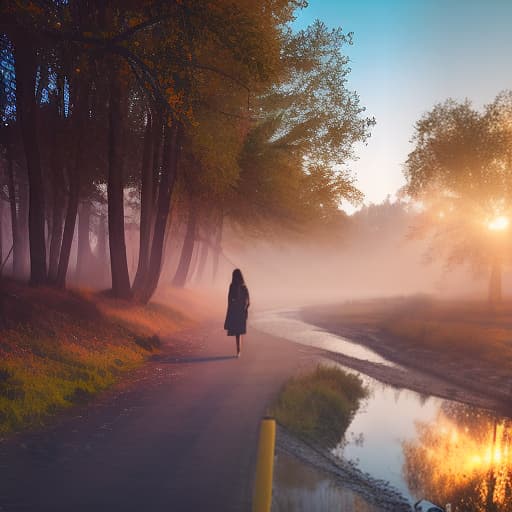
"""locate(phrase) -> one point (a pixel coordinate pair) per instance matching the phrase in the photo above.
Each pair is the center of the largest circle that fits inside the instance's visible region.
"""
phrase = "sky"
(409, 55)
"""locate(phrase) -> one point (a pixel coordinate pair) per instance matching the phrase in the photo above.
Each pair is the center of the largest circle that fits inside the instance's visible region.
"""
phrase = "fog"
(373, 255)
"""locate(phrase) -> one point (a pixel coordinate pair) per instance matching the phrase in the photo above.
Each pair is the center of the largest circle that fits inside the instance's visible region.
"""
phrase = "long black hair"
(238, 278)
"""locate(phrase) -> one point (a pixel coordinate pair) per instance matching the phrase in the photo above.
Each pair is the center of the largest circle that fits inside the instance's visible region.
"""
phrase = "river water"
(423, 446)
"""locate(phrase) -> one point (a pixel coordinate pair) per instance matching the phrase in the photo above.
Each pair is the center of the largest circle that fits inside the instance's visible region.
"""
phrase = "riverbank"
(313, 412)
(60, 348)
(464, 348)
(371, 494)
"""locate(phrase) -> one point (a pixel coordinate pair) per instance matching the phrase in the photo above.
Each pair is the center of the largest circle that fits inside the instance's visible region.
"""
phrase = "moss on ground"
(319, 406)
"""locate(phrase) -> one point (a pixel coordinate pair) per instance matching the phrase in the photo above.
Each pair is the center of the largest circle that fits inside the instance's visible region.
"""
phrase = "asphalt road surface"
(180, 435)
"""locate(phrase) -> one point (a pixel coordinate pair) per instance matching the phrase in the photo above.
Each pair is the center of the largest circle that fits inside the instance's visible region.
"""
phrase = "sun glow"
(457, 464)
(498, 223)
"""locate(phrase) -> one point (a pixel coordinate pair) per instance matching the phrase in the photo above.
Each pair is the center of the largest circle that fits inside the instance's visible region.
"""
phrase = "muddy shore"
(378, 493)
(463, 380)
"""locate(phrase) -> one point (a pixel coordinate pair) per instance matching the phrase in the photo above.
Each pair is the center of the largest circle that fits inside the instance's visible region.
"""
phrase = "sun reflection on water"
(462, 459)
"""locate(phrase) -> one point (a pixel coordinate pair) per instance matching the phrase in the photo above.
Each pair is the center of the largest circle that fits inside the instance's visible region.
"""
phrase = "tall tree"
(147, 193)
(171, 155)
(258, 122)
(459, 171)
(26, 107)
(78, 120)
(115, 187)
(183, 269)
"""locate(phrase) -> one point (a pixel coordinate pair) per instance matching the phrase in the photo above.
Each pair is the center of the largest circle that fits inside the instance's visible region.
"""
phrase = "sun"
(498, 223)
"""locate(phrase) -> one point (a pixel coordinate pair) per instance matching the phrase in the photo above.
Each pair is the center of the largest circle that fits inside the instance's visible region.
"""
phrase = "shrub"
(319, 406)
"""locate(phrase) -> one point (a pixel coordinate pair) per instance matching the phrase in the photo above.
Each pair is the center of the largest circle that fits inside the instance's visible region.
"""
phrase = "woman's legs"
(238, 338)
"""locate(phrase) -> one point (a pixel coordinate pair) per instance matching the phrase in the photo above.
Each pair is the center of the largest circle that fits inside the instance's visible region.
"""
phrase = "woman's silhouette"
(238, 304)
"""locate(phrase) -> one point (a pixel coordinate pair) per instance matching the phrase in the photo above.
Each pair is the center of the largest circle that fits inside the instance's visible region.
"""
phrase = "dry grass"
(453, 329)
(194, 303)
(60, 348)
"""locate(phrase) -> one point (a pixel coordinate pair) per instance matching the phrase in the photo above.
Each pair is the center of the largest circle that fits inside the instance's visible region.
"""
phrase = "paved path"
(180, 436)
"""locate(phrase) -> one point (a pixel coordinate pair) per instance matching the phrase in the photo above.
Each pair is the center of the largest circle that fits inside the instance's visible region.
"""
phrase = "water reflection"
(375, 437)
(299, 488)
(424, 446)
(462, 458)
(287, 324)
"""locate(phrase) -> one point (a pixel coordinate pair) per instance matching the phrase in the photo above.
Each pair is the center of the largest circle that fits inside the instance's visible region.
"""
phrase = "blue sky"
(407, 56)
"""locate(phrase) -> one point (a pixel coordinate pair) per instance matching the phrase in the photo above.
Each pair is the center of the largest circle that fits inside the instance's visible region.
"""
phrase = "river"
(424, 446)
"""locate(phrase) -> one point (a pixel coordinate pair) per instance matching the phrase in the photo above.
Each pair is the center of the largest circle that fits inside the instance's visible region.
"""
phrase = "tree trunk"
(203, 258)
(217, 247)
(26, 108)
(158, 143)
(74, 186)
(115, 191)
(182, 271)
(158, 140)
(12, 203)
(23, 260)
(146, 206)
(171, 152)
(102, 251)
(194, 261)
(69, 225)
(1, 229)
(57, 181)
(84, 253)
(57, 224)
(495, 292)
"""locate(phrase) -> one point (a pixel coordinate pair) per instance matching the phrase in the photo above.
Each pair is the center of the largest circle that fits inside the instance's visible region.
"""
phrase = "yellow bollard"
(262, 498)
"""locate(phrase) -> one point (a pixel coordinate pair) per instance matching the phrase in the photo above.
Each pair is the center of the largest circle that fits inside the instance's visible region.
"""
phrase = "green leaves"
(293, 164)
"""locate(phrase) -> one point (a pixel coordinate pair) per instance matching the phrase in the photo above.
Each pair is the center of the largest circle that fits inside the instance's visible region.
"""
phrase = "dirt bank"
(441, 370)
(377, 492)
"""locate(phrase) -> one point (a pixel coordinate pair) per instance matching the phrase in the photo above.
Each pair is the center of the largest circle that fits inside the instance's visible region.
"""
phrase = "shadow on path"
(182, 437)
(182, 360)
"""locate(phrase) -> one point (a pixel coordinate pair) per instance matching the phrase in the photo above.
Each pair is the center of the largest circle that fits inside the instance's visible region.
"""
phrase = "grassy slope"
(58, 348)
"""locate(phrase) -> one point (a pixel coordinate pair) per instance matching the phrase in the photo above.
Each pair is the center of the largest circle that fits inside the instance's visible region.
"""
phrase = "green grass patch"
(59, 348)
(319, 406)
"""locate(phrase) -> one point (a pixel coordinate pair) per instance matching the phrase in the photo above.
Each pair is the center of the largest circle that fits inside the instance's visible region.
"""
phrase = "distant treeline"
(161, 121)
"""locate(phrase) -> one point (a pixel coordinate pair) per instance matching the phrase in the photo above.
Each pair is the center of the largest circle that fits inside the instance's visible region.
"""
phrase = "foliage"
(251, 121)
(292, 166)
(58, 348)
(460, 166)
(319, 406)
(459, 172)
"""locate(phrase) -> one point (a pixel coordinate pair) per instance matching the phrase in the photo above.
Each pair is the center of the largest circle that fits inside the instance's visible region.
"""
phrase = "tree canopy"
(459, 171)
(178, 114)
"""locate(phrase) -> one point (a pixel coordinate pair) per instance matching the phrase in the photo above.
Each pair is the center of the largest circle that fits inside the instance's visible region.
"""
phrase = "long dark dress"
(238, 304)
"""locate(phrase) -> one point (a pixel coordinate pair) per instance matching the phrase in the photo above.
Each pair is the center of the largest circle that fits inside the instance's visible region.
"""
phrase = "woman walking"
(238, 304)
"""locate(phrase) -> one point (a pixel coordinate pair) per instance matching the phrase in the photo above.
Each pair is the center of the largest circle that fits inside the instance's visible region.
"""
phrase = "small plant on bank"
(320, 406)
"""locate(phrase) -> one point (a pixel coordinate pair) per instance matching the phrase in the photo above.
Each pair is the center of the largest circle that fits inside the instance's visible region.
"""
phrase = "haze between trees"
(194, 114)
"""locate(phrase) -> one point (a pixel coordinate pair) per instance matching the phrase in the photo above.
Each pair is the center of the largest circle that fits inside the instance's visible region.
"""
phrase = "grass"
(60, 348)
(319, 406)
(451, 329)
